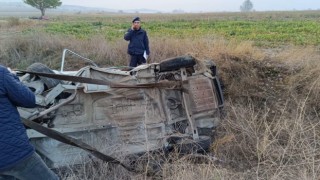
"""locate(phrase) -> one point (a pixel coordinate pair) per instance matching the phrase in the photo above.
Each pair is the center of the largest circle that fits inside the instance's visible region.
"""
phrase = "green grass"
(264, 29)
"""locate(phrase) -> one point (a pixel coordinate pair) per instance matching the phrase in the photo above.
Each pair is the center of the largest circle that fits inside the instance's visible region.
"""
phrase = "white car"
(167, 106)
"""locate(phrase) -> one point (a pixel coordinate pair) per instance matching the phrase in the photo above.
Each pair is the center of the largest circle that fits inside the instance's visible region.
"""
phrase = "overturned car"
(171, 105)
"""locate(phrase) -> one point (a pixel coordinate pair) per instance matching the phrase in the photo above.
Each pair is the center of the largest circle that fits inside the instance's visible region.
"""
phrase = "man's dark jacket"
(139, 42)
(14, 142)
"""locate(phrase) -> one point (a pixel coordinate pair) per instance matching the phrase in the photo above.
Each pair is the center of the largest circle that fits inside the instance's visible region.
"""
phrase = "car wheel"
(177, 63)
(189, 146)
(41, 68)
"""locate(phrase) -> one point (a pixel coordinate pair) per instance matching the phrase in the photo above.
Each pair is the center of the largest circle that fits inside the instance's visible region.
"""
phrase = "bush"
(13, 21)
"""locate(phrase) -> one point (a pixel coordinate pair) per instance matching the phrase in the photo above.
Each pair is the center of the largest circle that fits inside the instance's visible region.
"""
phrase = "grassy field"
(268, 61)
(264, 29)
(74, 31)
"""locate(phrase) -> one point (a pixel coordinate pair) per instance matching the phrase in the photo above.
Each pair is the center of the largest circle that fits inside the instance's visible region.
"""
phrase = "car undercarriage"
(120, 111)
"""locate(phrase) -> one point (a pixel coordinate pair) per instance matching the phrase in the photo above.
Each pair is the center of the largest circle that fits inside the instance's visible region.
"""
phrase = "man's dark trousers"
(136, 60)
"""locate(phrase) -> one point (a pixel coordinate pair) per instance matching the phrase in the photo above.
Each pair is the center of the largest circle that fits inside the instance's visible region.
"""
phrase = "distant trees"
(246, 6)
(42, 5)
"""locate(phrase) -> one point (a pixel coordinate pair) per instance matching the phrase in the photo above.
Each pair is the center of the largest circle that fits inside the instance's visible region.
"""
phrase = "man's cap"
(136, 19)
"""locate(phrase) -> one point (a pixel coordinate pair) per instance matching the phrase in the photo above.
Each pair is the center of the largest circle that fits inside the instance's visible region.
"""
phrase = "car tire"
(189, 146)
(177, 63)
(41, 68)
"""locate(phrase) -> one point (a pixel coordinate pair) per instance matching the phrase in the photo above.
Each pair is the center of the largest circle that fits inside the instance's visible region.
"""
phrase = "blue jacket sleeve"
(128, 35)
(18, 93)
(146, 43)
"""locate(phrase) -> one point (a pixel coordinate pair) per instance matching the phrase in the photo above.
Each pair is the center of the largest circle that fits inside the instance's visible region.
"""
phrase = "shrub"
(13, 21)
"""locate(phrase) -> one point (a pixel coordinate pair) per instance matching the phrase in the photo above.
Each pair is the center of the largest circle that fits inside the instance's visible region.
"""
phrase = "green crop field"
(264, 29)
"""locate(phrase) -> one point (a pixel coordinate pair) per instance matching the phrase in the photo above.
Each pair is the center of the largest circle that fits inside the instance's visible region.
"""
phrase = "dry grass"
(21, 50)
(281, 146)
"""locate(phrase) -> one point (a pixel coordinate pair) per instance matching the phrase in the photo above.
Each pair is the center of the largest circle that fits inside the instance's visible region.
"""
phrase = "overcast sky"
(197, 5)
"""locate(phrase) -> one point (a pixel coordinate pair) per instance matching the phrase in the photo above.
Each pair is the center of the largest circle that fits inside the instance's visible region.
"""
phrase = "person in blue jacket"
(138, 47)
(18, 159)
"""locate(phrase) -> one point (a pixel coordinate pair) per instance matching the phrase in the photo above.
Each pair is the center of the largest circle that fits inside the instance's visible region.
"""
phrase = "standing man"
(138, 47)
(18, 159)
